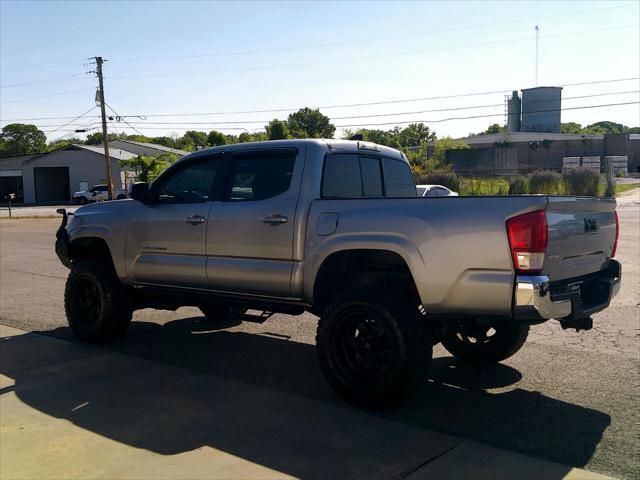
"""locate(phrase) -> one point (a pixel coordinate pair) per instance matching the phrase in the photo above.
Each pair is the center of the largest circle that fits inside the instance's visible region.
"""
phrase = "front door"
(165, 242)
(250, 233)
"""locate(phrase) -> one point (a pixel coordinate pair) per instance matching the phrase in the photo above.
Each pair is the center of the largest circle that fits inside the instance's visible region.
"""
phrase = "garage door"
(52, 184)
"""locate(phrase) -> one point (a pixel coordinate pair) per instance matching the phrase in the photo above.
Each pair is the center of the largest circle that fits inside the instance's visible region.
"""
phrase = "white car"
(435, 191)
(98, 193)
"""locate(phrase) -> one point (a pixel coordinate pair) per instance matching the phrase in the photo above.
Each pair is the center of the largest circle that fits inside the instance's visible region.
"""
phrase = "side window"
(351, 176)
(371, 176)
(260, 176)
(342, 176)
(191, 184)
(398, 179)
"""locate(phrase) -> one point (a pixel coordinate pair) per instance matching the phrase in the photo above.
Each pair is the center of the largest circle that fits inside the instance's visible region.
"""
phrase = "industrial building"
(533, 142)
(53, 176)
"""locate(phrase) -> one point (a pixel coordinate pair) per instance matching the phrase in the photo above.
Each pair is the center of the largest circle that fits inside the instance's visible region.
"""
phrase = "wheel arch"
(357, 266)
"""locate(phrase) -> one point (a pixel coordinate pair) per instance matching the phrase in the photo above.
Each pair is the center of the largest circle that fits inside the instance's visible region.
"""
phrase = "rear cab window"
(349, 175)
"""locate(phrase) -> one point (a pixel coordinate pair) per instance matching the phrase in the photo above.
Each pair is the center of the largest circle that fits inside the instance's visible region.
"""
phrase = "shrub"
(581, 181)
(519, 186)
(446, 179)
(545, 181)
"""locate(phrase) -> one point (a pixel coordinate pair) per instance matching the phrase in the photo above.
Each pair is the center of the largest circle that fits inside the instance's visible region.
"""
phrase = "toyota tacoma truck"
(335, 227)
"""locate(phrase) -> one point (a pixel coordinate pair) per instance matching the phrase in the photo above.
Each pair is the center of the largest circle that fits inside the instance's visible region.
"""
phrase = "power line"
(64, 78)
(71, 121)
(66, 92)
(353, 105)
(358, 59)
(118, 117)
(488, 116)
(441, 120)
(358, 41)
(348, 105)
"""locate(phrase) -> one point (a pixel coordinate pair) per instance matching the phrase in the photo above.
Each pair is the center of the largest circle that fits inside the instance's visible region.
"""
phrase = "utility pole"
(105, 138)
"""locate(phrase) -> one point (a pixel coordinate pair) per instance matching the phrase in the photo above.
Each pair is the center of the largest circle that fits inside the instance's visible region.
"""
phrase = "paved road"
(567, 397)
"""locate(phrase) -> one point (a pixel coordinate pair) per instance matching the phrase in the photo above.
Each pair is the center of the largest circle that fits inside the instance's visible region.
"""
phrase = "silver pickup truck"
(335, 228)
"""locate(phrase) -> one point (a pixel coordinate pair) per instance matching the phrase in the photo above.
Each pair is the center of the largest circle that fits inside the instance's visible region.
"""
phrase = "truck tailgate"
(581, 235)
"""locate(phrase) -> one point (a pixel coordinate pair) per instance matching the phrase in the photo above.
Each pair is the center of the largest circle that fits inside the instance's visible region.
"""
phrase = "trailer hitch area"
(584, 323)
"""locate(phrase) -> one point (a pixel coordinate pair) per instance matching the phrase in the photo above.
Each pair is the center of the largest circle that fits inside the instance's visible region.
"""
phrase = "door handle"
(195, 219)
(275, 219)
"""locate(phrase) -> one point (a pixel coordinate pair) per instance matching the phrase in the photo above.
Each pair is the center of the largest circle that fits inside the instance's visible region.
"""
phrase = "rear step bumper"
(536, 297)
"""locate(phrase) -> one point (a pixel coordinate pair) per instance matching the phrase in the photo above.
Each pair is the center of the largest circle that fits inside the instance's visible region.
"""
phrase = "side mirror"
(139, 191)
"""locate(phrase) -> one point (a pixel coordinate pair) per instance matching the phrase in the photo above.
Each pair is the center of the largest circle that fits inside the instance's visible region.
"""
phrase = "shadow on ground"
(169, 413)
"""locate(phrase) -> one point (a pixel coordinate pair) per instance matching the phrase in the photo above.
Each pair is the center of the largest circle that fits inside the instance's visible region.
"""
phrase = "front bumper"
(62, 239)
(536, 297)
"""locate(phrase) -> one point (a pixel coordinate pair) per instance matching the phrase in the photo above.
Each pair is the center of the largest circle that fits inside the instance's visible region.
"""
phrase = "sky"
(207, 60)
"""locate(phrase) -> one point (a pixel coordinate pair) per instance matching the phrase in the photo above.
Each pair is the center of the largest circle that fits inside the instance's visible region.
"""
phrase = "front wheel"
(97, 305)
(486, 345)
(372, 345)
(82, 201)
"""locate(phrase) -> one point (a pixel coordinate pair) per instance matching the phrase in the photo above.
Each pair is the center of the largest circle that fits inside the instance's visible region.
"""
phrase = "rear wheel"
(372, 345)
(486, 345)
(220, 312)
(121, 197)
(96, 303)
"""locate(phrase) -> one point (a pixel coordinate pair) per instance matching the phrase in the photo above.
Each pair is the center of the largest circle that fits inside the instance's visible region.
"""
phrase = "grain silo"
(541, 109)
(514, 109)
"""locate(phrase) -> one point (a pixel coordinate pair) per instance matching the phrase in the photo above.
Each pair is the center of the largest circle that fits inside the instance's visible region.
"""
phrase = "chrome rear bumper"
(536, 297)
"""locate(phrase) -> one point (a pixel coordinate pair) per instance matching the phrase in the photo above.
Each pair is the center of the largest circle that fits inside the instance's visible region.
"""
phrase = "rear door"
(581, 234)
(250, 233)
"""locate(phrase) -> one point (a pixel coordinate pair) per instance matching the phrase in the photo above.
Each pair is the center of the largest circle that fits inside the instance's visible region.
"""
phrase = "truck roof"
(326, 144)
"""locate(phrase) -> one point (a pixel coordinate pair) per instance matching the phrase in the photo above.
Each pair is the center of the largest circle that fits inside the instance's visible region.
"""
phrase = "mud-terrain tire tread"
(508, 340)
(116, 311)
(409, 325)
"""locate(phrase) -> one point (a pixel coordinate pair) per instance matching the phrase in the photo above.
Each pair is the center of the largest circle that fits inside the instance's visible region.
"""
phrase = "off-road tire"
(114, 310)
(504, 343)
(220, 312)
(405, 331)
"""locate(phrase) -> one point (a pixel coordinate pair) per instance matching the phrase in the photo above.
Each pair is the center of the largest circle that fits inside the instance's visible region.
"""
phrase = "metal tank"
(514, 108)
(541, 109)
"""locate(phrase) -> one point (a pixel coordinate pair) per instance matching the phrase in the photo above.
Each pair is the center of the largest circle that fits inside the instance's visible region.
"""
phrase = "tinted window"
(421, 191)
(261, 176)
(398, 180)
(371, 176)
(190, 184)
(100, 188)
(342, 176)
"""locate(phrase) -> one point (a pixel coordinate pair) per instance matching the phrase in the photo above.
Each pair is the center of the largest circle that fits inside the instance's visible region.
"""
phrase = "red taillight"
(615, 242)
(528, 241)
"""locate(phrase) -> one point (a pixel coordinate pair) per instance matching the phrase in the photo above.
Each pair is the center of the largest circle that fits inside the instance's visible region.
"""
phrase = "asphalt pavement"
(566, 397)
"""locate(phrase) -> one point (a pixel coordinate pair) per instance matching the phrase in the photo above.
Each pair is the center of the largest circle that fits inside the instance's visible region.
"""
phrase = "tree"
(191, 140)
(96, 138)
(414, 135)
(252, 137)
(62, 143)
(570, 127)
(21, 139)
(216, 138)
(310, 123)
(277, 130)
(149, 168)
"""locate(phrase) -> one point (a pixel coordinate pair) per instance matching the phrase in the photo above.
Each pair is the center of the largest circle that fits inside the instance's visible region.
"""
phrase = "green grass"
(484, 186)
(626, 187)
